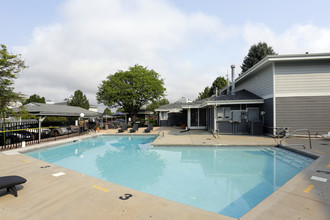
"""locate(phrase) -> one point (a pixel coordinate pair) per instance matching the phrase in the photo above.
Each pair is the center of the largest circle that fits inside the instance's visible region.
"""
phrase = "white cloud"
(299, 38)
(97, 38)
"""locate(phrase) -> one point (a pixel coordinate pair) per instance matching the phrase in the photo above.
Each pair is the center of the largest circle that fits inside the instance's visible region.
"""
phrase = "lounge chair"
(135, 128)
(10, 182)
(326, 136)
(149, 128)
(124, 128)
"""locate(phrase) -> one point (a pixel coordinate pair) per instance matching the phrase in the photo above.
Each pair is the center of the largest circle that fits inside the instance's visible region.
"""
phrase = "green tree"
(79, 99)
(107, 111)
(10, 66)
(255, 54)
(24, 114)
(219, 83)
(35, 98)
(156, 104)
(120, 110)
(205, 94)
(131, 89)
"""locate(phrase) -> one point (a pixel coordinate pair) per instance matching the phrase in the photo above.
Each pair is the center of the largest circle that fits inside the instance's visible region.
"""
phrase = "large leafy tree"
(10, 66)
(255, 54)
(35, 98)
(79, 99)
(157, 103)
(131, 89)
(219, 83)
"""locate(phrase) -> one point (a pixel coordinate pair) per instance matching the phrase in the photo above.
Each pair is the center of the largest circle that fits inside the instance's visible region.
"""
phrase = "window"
(223, 113)
(163, 116)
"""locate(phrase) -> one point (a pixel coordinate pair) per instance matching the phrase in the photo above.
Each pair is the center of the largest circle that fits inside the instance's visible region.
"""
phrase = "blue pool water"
(225, 180)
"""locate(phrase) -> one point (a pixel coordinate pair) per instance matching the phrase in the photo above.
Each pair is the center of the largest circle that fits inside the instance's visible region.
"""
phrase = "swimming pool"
(225, 180)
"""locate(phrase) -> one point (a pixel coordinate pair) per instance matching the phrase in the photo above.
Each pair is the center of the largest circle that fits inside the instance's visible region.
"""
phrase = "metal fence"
(20, 134)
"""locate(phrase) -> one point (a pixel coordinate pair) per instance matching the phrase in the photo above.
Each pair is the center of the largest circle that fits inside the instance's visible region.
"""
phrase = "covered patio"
(229, 113)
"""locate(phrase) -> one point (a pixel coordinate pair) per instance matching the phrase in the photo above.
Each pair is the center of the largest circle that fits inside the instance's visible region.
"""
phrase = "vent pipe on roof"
(227, 84)
(232, 79)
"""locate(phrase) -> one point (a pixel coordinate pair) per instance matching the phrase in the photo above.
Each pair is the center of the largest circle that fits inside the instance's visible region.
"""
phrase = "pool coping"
(254, 211)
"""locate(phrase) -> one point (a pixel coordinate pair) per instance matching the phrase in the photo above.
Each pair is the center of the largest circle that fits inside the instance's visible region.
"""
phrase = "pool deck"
(78, 196)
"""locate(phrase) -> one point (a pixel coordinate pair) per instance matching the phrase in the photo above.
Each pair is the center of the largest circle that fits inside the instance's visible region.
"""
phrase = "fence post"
(39, 133)
(3, 130)
(40, 121)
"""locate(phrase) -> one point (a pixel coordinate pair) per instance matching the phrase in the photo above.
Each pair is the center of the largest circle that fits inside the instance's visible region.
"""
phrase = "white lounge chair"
(326, 136)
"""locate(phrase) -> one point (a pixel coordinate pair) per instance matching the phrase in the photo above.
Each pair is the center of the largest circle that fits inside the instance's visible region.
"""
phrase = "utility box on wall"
(236, 116)
(253, 114)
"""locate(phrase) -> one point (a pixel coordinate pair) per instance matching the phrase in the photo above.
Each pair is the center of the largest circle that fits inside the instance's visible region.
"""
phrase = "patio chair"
(124, 128)
(149, 128)
(10, 182)
(135, 128)
(326, 136)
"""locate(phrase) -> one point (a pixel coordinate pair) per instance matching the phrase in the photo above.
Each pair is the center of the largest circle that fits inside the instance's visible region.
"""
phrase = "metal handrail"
(161, 131)
(304, 129)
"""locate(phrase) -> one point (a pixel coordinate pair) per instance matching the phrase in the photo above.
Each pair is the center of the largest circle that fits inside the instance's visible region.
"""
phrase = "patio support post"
(188, 118)
(215, 118)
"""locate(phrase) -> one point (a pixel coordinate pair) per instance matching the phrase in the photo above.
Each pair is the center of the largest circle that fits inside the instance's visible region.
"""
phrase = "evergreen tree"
(35, 98)
(255, 54)
(219, 83)
(79, 99)
(107, 111)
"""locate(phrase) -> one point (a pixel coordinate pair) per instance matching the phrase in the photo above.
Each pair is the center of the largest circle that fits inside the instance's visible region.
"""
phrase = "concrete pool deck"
(78, 196)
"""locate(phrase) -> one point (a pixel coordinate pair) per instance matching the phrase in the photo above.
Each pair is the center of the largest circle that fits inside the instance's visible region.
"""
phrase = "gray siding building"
(295, 89)
(280, 92)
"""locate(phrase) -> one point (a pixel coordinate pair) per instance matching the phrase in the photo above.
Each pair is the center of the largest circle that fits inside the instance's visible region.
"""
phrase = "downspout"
(274, 102)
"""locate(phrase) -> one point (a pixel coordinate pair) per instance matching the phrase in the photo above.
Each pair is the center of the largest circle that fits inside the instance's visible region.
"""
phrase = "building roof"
(171, 108)
(240, 97)
(144, 112)
(280, 58)
(57, 110)
(289, 57)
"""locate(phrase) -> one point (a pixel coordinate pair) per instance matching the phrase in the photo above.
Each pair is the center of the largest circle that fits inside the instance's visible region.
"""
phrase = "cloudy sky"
(75, 44)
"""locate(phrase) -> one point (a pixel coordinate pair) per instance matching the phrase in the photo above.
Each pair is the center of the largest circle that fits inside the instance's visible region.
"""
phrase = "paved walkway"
(176, 136)
(78, 196)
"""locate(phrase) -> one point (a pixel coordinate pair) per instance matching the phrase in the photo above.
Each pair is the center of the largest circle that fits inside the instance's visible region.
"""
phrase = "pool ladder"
(92, 131)
(290, 134)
